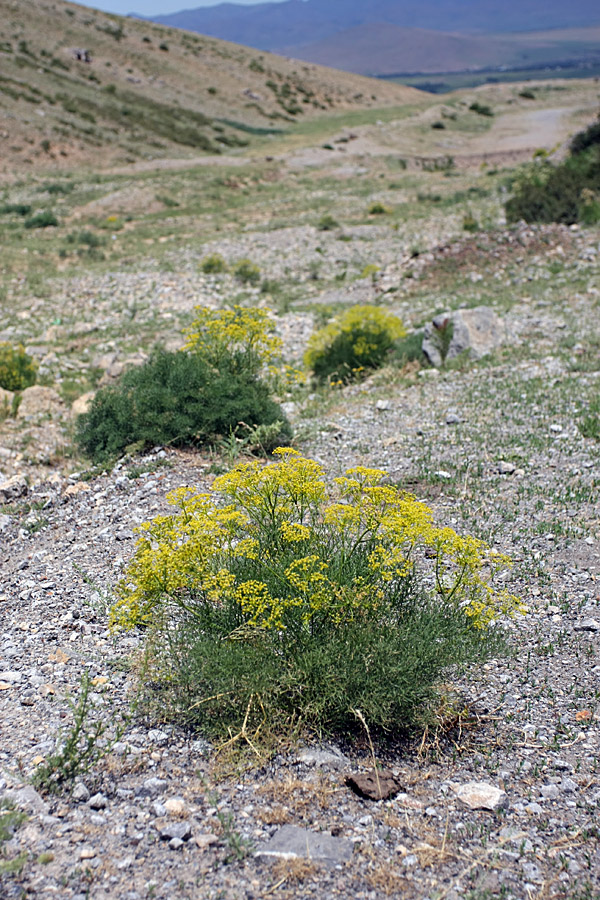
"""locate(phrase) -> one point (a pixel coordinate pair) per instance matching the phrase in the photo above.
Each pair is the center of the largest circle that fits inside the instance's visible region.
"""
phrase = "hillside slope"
(141, 90)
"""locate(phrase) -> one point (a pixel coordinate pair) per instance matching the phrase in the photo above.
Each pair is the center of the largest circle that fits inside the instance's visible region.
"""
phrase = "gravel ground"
(495, 449)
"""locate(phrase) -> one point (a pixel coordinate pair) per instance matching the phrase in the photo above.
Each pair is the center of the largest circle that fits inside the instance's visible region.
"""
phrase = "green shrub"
(217, 384)
(174, 398)
(18, 370)
(568, 192)
(246, 272)
(470, 223)
(41, 220)
(354, 341)
(438, 126)
(583, 140)
(481, 109)
(58, 187)
(379, 209)
(19, 209)
(293, 599)
(213, 264)
(327, 223)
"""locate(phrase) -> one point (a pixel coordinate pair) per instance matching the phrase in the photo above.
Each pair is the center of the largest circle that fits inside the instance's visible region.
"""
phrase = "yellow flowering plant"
(295, 584)
(355, 341)
(240, 334)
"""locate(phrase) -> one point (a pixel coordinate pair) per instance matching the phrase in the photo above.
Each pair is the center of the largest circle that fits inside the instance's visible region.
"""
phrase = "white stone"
(479, 795)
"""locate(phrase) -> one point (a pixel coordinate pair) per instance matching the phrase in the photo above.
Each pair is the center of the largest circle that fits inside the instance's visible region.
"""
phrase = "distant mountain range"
(387, 36)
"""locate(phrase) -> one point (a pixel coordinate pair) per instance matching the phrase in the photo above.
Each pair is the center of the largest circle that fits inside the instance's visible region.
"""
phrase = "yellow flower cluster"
(290, 548)
(360, 337)
(215, 333)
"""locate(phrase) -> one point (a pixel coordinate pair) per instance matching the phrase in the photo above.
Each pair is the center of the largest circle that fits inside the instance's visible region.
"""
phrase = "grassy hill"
(142, 90)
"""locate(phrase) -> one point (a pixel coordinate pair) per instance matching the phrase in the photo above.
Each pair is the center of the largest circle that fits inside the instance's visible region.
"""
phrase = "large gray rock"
(291, 842)
(478, 331)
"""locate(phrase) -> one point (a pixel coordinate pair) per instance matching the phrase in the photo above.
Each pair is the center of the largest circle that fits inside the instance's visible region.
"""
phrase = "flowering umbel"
(292, 550)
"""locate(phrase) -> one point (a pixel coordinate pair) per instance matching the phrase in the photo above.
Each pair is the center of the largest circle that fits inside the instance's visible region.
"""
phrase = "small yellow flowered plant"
(291, 550)
(241, 332)
(357, 340)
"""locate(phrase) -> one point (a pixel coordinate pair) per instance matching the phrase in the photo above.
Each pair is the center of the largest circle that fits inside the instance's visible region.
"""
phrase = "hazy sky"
(157, 7)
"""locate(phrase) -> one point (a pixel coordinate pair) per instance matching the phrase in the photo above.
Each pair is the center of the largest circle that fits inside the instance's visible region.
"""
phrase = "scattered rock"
(479, 795)
(549, 792)
(374, 785)
(82, 404)
(80, 793)
(175, 806)
(587, 625)
(205, 840)
(98, 801)
(181, 831)
(292, 842)
(328, 759)
(151, 787)
(28, 799)
(506, 468)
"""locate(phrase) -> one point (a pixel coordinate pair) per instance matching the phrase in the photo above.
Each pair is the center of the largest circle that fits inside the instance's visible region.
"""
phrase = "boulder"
(39, 400)
(478, 331)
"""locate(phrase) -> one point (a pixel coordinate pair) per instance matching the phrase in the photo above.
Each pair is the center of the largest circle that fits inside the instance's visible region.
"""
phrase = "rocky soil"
(495, 448)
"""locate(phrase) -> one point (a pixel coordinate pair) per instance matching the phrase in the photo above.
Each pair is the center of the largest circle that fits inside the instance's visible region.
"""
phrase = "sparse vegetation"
(481, 109)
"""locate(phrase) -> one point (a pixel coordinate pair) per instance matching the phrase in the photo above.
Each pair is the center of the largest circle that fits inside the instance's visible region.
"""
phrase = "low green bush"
(290, 599)
(357, 340)
(379, 209)
(175, 398)
(18, 370)
(408, 349)
(247, 272)
(45, 219)
(213, 264)
(19, 209)
(470, 223)
(589, 421)
(481, 109)
(568, 192)
(327, 223)
(193, 396)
